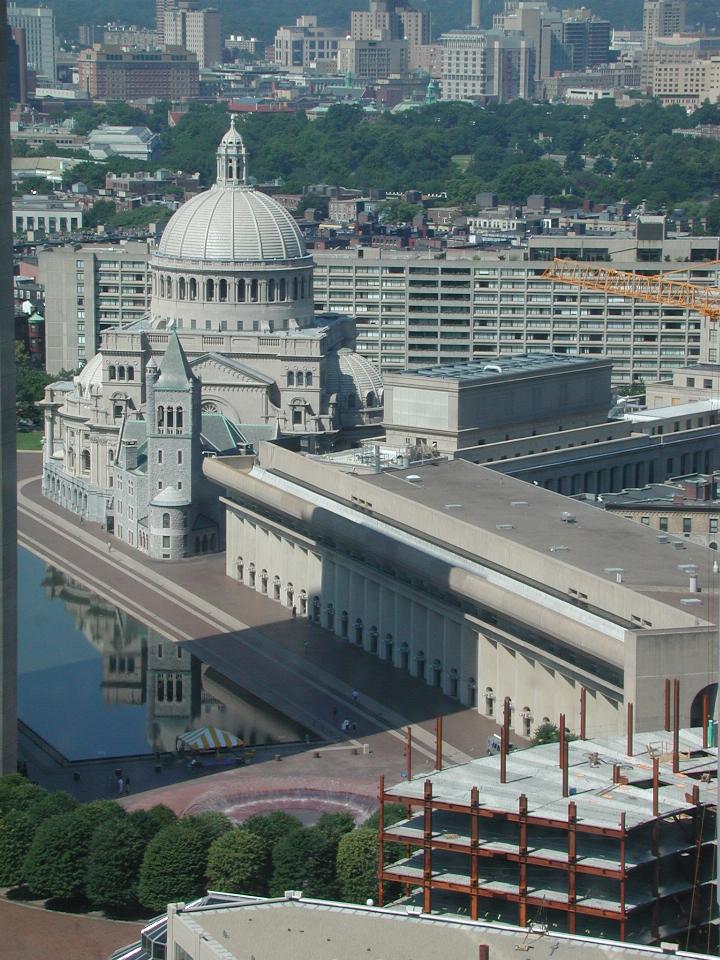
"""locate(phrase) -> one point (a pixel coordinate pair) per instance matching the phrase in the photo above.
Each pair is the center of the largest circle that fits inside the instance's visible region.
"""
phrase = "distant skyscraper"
(8, 529)
(196, 30)
(39, 26)
(662, 18)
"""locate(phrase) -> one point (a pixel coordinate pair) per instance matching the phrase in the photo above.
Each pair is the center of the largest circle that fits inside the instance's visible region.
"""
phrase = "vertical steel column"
(630, 728)
(706, 717)
(676, 727)
(667, 704)
(503, 756)
(381, 833)
(438, 743)
(583, 713)
(572, 866)
(427, 846)
(561, 752)
(623, 876)
(474, 840)
(522, 852)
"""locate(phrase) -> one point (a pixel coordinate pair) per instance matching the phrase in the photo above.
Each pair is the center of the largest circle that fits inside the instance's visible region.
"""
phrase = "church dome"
(89, 381)
(348, 374)
(232, 222)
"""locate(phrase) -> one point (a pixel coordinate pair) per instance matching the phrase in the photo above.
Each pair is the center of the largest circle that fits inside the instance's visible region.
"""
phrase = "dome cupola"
(232, 159)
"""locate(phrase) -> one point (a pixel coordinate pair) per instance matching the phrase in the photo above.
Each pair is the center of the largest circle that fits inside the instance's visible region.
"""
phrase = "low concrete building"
(136, 143)
(477, 583)
(700, 381)
(47, 214)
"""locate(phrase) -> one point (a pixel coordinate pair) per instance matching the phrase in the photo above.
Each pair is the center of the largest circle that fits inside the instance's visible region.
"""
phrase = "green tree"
(305, 860)
(357, 864)
(115, 856)
(336, 825)
(102, 211)
(239, 862)
(174, 865)
(17, 829)
(149, 822)
(397, 211)
(549, 732)
(272, 827)
(17, 793)
(56, 861)
(393, 813)
(210, 824)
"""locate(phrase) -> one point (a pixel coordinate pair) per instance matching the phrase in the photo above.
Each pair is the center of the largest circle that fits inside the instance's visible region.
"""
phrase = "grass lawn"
(29, 441)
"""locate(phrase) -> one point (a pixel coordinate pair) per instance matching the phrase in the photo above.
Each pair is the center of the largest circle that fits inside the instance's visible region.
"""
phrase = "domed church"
(231, 353)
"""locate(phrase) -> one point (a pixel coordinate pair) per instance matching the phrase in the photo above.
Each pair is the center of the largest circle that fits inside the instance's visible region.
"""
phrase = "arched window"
(169, 418)
(344, 624)
(271, 290)
(276, 588)
(371, 399)
(437, 673)
(85, 460)
(254, 291)
(209, 290)
(290, 378)
(131, 373)
(302, 288)
(404, 655)
(251, 574)
(166, 521)
(168, 286)
(303, 603)
(179, 418)
(330, 616)
(290, 592)
(160, 456)
(121, 373)
(193, 288)
(420, 664)
(111, 373)
(264, 581)
(308, 378)
(241, 291)
(182, 288)
(489, 702)
(299, 379)
(161, 417)
(295, 288)
(162, 286)
(358, 631)
(373, 640)
(222, 291)
(283, 289)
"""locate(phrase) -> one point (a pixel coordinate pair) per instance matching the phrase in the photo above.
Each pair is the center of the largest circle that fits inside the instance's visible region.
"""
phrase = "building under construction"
(608, 838)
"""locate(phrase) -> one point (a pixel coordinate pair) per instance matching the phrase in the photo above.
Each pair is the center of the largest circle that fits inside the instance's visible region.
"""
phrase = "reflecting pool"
(95, 682)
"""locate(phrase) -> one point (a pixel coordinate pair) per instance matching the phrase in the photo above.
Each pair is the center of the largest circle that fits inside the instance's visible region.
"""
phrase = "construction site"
(610, 838)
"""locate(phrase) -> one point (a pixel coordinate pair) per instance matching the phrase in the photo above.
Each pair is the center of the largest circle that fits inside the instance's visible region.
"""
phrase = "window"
(713, 525)
(300, 380)
(241, 291)
(193, 288)
(663, 523)
(85, 459)
(160, 456)
(131, 373)
(179, 456)
(645, 520)
(166, 521)
(166, 541)
(690, 381)
(291, 378)
(297, 417)
(179, 418)
(271, 290)
(687, 524)
(181, 288)
(308, 379)
(222, 291)
(111, 373)
(707, 384)
(210, 290)
(254, 287)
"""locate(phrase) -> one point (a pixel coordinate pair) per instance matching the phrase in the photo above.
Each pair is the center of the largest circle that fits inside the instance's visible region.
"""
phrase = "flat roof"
(572, 533)
(536, 773)
(677, 410)
(493, 367)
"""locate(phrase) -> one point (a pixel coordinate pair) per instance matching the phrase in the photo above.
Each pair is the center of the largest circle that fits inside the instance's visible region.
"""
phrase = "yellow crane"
(655, 288)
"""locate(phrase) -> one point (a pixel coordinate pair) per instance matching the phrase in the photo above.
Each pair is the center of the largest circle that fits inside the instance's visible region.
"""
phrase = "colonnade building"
(479, 584)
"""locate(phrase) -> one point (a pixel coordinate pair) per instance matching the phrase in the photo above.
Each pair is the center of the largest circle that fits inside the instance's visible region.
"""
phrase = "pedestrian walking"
(127, 785)
(120, 785)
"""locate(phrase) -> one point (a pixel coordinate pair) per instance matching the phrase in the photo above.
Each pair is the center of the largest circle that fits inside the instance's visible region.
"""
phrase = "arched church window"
(222, 291)
(166, 521)
(162, 286)
(370, 399)
(111, 373)
(169, 418)
(209, 290)
(182, 288)
(254, 291)
(290, 378)
(168, 286)
(161, 417)
(308, 378)
(264, 581)
(85, 460)
(283, 289)
(300, 380)
(121, 373)
(131, 373)
(241, 291)
(179, 417)
(193, 288)
(251, 574)
(271, 291)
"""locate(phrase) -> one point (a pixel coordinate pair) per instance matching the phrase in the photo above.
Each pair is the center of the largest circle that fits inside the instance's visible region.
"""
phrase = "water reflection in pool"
(94, 682)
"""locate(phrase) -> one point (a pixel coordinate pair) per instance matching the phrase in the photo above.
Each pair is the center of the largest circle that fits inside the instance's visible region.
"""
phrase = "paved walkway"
(301, 669)
(30, 932)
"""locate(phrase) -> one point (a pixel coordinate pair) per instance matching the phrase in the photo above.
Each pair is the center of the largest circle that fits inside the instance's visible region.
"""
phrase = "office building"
(464, 65)
(586, 42)
(695, 80)
(87, 290)
(46, 214)
(307, 45)
(115, 73)
(195, 29)
(369, 60)
(416, 309)
(8, 516)
(609, 837)
(541, 27)
(136, 143)
(662, 18)
(41, 44)
(380, 18)
(17, 65)
(477, 583)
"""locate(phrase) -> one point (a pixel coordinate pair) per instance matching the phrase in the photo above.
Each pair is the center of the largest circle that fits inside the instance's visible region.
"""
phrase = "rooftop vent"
(504, 526)
(568, 517)
(413, 478)
(492, 368)
(518, 503)
(662, 538)
(678, 545)
(557, 547)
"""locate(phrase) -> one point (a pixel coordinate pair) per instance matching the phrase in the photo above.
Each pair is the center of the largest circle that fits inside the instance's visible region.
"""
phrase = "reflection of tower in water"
(118, 637)
(173, 691)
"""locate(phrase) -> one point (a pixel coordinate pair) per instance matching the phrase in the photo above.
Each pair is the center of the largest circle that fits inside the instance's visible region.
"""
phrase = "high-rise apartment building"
(464, 65)
(8, 515)
(662, 18)
(307, 45)
(39, 26)
(379, 18)
(86, 290)
(195, 29)
(371, 60)
(586, 42)
(416, 309)
(116, 73)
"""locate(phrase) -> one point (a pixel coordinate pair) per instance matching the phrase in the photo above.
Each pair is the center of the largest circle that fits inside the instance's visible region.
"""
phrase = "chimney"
(475, 13)
(130, 454)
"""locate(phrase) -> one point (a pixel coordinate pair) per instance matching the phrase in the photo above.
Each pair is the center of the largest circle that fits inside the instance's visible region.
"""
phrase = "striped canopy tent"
(207, 738)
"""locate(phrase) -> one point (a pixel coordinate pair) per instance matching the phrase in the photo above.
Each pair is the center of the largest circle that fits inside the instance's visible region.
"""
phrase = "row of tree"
(123, 862)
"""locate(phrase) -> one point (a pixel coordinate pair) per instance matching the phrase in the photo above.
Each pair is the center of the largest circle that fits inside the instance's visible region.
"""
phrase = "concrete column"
(8, 502)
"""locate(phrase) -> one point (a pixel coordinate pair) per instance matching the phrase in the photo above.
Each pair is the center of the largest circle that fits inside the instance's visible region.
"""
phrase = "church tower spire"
(232, 159)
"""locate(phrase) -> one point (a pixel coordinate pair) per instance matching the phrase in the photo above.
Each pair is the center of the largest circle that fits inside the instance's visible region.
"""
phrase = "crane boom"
(655, 289)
